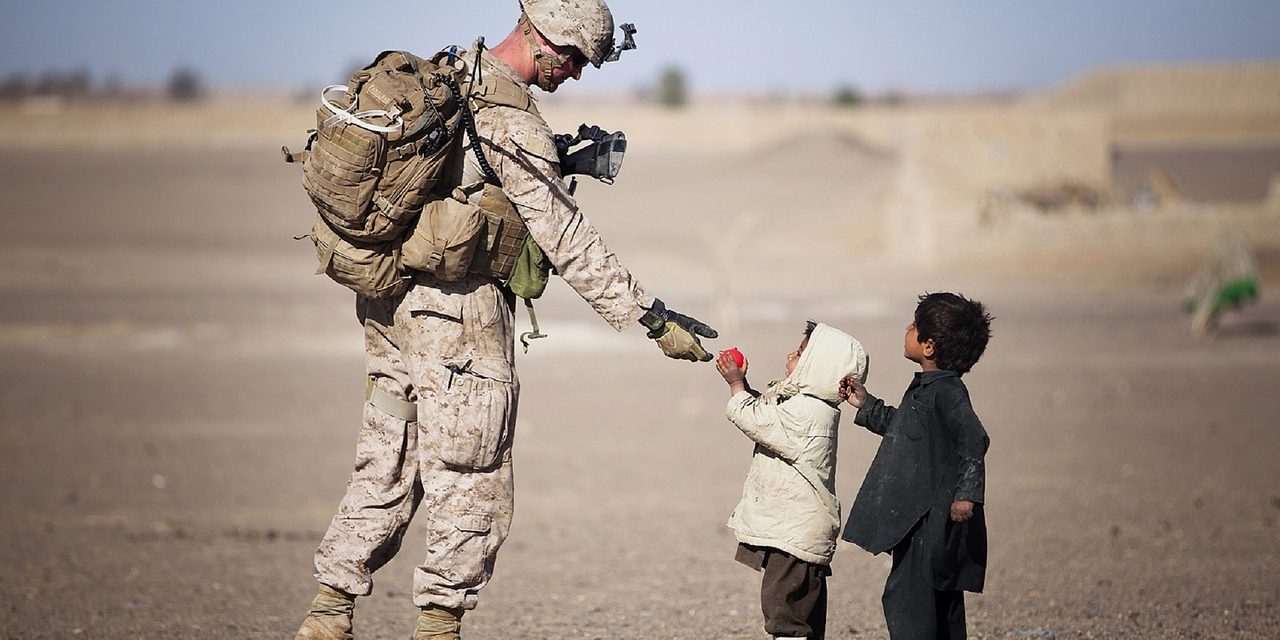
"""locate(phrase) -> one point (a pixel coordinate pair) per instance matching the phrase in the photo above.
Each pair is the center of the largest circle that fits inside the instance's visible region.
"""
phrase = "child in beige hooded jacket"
(789, 518)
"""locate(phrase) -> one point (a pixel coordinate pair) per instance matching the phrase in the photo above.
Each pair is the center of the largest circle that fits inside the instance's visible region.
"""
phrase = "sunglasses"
(578, 58)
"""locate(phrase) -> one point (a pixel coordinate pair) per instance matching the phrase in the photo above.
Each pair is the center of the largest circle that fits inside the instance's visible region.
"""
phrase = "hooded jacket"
(788, 499)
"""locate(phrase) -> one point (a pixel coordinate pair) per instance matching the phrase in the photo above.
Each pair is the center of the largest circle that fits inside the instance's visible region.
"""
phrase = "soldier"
(442, 388)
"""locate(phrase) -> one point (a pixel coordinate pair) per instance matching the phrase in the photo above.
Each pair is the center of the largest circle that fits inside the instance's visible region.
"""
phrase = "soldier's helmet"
(586, 25)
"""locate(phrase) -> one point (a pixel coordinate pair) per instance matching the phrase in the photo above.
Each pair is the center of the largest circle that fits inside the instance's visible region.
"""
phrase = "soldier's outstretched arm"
(525, 158)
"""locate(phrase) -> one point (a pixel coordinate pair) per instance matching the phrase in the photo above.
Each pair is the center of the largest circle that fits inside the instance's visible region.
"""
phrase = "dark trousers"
(793, 593)
(913, 609)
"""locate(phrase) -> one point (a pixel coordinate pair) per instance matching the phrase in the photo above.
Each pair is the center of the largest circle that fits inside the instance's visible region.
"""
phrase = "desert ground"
(180, 395)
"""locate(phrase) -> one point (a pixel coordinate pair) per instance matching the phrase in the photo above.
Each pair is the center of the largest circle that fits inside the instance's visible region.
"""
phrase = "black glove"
(677, 334)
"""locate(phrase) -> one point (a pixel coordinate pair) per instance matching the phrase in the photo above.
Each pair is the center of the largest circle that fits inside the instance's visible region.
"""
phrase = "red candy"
(737, 356)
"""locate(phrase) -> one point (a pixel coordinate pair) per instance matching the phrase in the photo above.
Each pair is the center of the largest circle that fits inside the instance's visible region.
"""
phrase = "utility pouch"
(531, 272)
(372, 270)
(445, 239)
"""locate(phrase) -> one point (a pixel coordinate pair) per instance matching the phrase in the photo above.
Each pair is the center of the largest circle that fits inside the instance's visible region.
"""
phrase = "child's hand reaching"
(733, 374)
(853, 391)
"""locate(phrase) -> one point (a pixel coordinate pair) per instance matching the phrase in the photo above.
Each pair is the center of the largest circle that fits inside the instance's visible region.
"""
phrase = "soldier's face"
(572, 68)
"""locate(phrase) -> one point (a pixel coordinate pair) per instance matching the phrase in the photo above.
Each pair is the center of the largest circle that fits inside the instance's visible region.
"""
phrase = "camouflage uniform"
(448, 347)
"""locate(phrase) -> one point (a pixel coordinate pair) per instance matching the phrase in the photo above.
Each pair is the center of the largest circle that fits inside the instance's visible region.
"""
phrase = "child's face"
(794, 356)
(914, 350)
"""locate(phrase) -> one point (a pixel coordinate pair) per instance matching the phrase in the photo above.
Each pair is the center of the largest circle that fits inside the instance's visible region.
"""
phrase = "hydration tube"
(357, 118)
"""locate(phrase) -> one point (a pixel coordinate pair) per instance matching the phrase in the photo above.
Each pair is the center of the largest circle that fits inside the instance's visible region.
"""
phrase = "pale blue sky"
(753, 45)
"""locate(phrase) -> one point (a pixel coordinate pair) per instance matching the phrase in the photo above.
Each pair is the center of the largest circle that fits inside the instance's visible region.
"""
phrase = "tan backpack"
(381, 144)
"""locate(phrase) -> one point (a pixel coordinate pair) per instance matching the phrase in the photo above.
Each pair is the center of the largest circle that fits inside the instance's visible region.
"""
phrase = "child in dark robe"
(923, 496)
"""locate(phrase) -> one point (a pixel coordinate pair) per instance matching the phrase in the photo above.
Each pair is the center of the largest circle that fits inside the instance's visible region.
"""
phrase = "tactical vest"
(501, 235)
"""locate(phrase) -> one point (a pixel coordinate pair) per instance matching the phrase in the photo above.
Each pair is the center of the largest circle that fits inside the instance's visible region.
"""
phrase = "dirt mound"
(1230, 88)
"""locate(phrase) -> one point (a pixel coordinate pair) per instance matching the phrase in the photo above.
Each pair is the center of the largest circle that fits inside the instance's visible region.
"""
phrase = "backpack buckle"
(433, 262)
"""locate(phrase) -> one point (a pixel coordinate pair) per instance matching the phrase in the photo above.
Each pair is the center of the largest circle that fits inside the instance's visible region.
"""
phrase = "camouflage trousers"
(448, 348)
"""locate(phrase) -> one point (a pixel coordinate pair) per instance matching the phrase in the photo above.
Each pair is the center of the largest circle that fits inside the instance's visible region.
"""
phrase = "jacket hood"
(831, 356)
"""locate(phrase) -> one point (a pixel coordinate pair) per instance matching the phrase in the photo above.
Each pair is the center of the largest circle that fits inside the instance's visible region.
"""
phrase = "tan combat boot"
(329, 617)
(438, 623)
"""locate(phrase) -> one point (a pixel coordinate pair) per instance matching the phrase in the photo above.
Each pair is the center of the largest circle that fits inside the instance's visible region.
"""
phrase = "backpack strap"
(326, 259)
(295, 157)
(495, 89)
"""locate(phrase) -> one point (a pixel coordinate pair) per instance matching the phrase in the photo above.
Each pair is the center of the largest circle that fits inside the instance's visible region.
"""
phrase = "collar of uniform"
(924, 378)
(492, 64)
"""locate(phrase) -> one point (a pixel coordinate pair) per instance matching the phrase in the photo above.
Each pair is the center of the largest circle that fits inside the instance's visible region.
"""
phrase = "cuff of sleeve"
(863, 417)
(643, 299)
(630, 317)
(973, 497)
(735, 404)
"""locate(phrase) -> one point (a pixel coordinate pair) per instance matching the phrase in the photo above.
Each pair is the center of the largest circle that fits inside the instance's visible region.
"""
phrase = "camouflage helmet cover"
(586, 25)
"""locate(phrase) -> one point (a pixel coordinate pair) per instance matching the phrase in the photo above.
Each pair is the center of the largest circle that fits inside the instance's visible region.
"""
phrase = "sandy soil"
(180, 400)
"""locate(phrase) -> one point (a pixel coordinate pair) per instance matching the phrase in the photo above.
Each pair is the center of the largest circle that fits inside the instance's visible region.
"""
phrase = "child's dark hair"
(959, 327)
(809, 326)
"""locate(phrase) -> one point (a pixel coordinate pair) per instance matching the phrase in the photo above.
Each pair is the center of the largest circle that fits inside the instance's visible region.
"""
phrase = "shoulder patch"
(538, 145)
